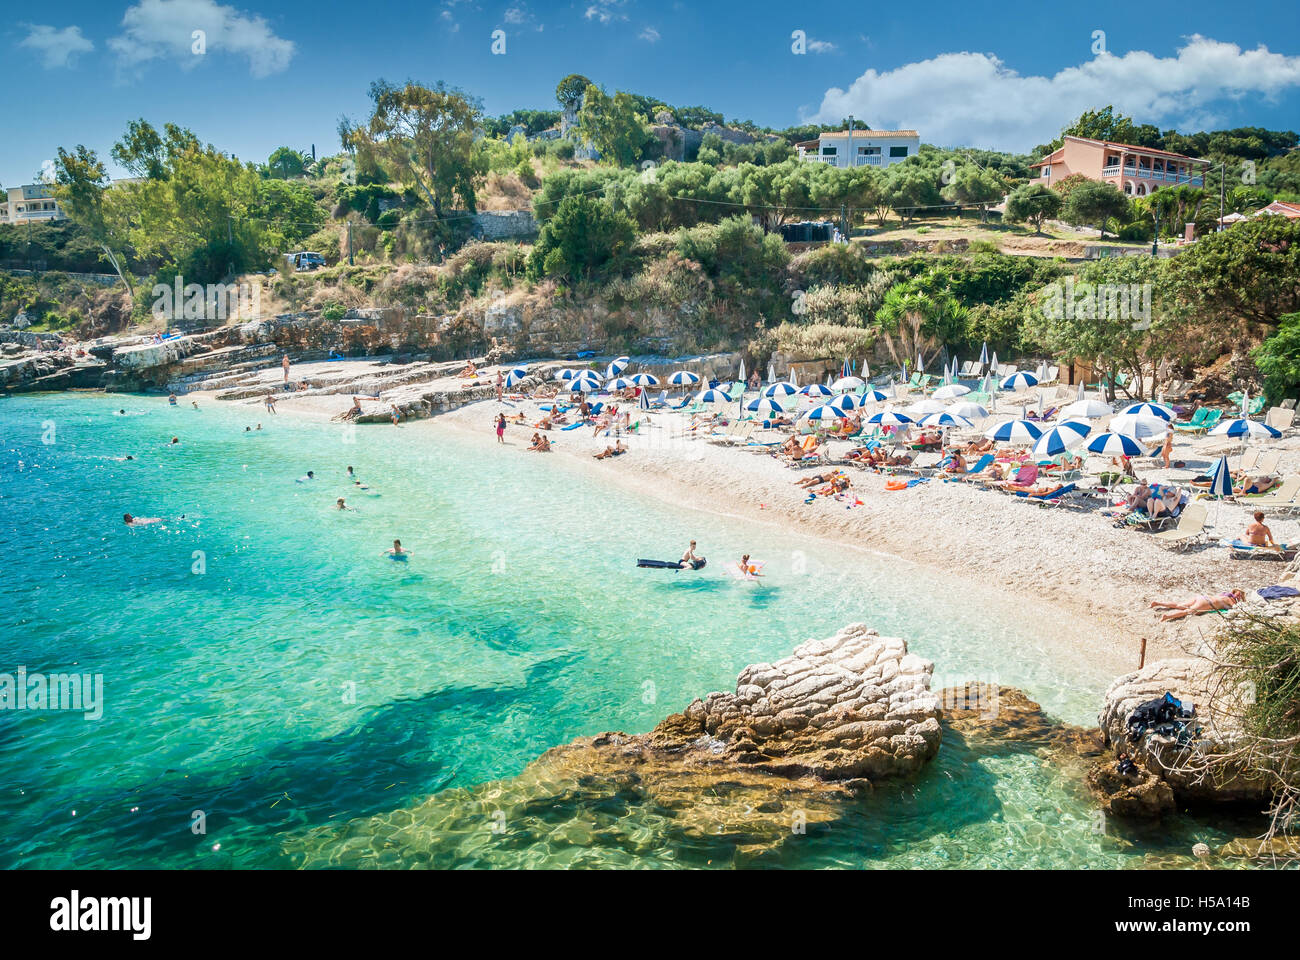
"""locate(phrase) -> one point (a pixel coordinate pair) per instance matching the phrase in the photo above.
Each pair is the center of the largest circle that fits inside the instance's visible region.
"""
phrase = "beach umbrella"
(584, 385)
(782, 389)
(771, 373)
(620, 383)
(617, 366)
(984, 354)
(866, 371)
(920, 365)
(928, 405)
(816, 390)
(1245, 402)
(944, 419)
(684, 378)
(1221, 479)
(951, 392)
(889, 418)
(566, 374)
(741, 374)
(515, 375)
(1081, 395)
(971, 411)
(849, 401)
(1243, 428)
(765, 406)
(1019, 380)
(826, 411)
(1150, 410)
(643, 400)
(1041, 371)
(1115, 445)
(875, 396)
(993, 364)
(585, 375)
(1062, 438)
(645, 380)
(710, 397)
(794, 377)
(1086, 409)
(1138, 426)
(1014, 431)
(847, 384)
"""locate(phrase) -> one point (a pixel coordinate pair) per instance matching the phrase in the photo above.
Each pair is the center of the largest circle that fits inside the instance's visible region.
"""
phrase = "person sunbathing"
(544, 423)
(953, 463)
(813, 481)
(469, 371)
(1137, 500)
(1253, 485)
(616, 450)
(790, 447)
(1198, 604)
(1165, 503)
(838, 484)
(982, 445)
(1046, 490)
(994, 473)
(1258, 534)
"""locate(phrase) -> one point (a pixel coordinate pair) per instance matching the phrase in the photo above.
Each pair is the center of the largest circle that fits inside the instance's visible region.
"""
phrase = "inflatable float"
(670, 564)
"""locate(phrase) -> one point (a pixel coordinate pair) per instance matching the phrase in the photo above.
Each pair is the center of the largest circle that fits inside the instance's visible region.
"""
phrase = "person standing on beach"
(270, 402)
(1168, 447)
(501, 428)
(501, 385)
(284, 364)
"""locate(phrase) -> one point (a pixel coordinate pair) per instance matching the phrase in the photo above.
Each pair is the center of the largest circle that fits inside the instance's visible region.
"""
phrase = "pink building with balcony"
(1138, 171)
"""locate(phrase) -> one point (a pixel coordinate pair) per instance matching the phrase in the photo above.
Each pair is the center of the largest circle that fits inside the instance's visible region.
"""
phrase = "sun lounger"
(1053, 497)
(1198, 418)
(741, 436)
(982, 464)
(968, 369)
(1281, 499)
(926, 462)
(1208, 423)
(1190, 528)
(1267, 463)
(1279, 418)
(1242, 550)
(1288, 404)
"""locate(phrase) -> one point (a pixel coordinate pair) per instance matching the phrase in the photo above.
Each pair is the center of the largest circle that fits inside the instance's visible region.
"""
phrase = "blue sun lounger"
(1054, 497)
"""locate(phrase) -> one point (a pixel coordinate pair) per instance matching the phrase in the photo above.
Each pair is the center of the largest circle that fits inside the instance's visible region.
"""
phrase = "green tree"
(80, 183)
(584, 234)
(1032, 203)
(426, 136)
(915, 322)
(1095, 202)
(909, 187)
(285, 163)
(614, 126)
(146, 153)
(570, 90)
(1278, 358)
(973, 186)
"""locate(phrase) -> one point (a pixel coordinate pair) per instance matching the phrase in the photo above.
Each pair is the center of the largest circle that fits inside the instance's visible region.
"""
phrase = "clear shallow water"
(297, 678)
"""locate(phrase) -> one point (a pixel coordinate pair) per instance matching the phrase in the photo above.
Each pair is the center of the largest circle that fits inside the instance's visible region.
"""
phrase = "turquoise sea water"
(265, 664)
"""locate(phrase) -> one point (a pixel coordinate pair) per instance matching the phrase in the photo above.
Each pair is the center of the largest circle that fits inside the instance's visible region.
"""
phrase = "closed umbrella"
(794, 377)
(643, 400)
(515, 375)
(993, 364)
(1014, 431)
(920, 365)
(1081, 395)
(771, 373)
(951, 392)
(741, 374)
(1247, 429)
(984, 354)
(1114, 445)
(1150, 410)
(1221, 479)
(1062, 438)
(617, 366)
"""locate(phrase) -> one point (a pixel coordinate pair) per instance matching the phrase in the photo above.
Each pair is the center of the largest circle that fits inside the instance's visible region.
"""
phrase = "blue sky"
(277, 73)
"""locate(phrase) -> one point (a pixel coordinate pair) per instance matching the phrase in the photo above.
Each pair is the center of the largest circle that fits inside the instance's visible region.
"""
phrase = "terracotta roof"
(1129, 146)
(1050, 158)
(1289, 210)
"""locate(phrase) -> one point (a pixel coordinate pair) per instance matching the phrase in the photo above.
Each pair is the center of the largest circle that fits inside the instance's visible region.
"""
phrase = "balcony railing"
(868, 160)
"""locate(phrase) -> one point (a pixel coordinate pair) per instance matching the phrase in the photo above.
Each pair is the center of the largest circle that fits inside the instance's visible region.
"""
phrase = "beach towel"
(1026, 475)
(1277, 593)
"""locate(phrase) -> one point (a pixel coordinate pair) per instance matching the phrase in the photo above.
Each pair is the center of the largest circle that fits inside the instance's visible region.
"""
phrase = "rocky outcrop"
(1198, 767)
(1139, 795)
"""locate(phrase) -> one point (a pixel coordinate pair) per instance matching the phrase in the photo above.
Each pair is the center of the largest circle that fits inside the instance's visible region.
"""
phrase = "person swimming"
(341, 504)
(310, 475)
(397, 553)
(175, 440)
(131, 521)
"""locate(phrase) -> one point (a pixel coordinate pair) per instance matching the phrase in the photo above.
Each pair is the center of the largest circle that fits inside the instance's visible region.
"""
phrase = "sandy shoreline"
(1082, 581)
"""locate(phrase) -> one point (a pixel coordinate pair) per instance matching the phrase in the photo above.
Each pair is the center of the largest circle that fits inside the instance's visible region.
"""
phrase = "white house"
(861, 148)
(30, 202)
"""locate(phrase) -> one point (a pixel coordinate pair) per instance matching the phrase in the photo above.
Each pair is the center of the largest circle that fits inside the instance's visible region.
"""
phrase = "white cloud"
(974, 99)
(822, 46)
(58, 48)
(164, 29)
(516, 15)
(606, 11)
(650, 35)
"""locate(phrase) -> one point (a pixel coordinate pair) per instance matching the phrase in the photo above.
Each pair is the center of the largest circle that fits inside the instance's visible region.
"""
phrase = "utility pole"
(1223, 177)
(351, 262)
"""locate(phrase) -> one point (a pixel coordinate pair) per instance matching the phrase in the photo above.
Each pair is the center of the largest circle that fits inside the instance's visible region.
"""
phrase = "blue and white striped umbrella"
(1245, 428)
(643, 400)
(584, 385)
(816, 390)
(1221, 479)
(1019, 380)
(1014, 431)
(827, 411)
(889, 418)
(515, 375)
(944, 420)
(1150, 410)
(849, 401)
(711, 397)
(566, 374)
(782, 389)
(875, 396)
(684, 378)
(765, 406)
(1139, 426)
(617, 366)
(847, 384)
(951, 392)
(645, 380)
(620, 383)
(1115, 445)
(1062, 438)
